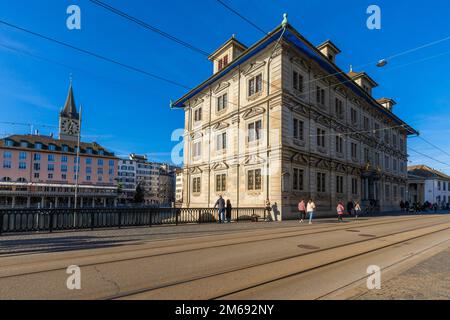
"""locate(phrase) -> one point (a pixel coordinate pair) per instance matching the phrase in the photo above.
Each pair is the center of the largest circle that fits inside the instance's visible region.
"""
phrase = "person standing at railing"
(220, 205)
(228, 210)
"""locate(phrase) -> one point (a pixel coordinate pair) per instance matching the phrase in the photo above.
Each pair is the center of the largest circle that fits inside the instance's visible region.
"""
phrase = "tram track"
(240, 279)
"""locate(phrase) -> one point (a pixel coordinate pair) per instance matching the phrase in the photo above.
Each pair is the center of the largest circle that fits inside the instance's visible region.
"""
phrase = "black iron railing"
(49, 220)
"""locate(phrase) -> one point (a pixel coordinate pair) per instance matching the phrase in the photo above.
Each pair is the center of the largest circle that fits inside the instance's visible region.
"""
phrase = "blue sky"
(129, 112)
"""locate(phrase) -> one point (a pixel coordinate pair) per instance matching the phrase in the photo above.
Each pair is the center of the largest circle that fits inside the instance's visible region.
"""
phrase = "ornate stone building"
(280, 121)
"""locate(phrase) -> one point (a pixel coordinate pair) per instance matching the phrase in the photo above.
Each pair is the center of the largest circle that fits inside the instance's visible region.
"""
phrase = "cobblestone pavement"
(428, 280)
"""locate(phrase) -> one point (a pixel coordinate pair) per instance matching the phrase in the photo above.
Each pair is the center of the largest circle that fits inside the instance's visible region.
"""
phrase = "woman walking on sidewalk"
(228, 210)
(357, 209)
(302, 210)
(310, 208)
(340, 211)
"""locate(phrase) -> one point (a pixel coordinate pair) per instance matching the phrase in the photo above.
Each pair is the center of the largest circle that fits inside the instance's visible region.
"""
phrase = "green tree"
(139, 194)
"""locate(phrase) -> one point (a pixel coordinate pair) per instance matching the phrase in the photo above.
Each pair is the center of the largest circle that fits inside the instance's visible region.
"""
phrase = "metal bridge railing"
(49, 220)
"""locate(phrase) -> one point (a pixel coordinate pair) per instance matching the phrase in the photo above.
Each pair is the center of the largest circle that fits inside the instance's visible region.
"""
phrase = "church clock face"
(70, 126)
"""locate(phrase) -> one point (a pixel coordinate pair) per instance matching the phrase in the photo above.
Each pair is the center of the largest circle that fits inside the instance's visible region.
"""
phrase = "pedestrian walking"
(350, 208)
(220, 205)
(402, 206)
(340, 211)
(357, 209)
(268, 210)
(407, 206)
(302, 210)
(228, 210)
(310, 208)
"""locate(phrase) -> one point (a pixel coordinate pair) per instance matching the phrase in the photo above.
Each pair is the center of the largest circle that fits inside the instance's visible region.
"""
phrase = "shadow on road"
(48, 245)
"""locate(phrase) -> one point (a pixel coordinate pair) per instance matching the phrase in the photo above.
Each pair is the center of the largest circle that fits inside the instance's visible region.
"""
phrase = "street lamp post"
(78, 170)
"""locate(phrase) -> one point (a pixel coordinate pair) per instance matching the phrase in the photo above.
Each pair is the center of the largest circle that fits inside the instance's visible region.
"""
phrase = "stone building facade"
(280, 121)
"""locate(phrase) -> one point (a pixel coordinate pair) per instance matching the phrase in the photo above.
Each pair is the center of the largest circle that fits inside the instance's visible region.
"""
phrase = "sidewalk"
(75, 240)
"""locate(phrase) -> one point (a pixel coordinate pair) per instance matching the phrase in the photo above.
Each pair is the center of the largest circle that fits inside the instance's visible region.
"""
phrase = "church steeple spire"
(70, 109)
(69, 118)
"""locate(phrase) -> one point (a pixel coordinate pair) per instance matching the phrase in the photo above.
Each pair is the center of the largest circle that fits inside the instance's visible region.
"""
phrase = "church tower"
(69, 119)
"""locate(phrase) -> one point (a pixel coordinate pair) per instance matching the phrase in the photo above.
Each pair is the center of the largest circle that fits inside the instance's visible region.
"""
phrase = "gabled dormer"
(363, 80)
(226, 53)
(387, 103)
(329, 50)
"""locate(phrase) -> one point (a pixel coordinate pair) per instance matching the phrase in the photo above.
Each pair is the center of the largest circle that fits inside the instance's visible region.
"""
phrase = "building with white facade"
(179, 186)
(156, 179)
(428, 185)
(126, 180)
(280, 121)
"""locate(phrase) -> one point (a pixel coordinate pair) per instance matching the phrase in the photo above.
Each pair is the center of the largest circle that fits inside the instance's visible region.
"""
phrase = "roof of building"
(425, 172)
(231, 40)
(329, 43)
(70, 109)
(45, 141)
(384, 100)
(356, 75)
(294, 37)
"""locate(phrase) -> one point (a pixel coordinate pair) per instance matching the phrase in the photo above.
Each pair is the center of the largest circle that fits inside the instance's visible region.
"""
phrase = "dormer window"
(223, 62)
(89, 150)
(9, 143)
(38, 146)
(52, 147)
(24, 144)
(226, 53)
(329, 50)
(65, 148)
(101, 152)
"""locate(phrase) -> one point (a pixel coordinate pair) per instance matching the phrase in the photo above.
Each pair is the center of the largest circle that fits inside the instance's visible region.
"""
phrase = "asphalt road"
(261, 261)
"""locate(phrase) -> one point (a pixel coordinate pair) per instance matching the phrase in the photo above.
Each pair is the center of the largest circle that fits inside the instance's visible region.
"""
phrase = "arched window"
(22, 180)
(6, 179)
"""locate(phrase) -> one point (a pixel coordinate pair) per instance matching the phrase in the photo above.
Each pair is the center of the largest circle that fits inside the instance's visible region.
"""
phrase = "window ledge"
(255, 96)
(299, 142)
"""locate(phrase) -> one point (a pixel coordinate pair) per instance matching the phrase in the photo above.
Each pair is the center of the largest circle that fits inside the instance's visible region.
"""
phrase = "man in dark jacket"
(220, 204)
(350, 207)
